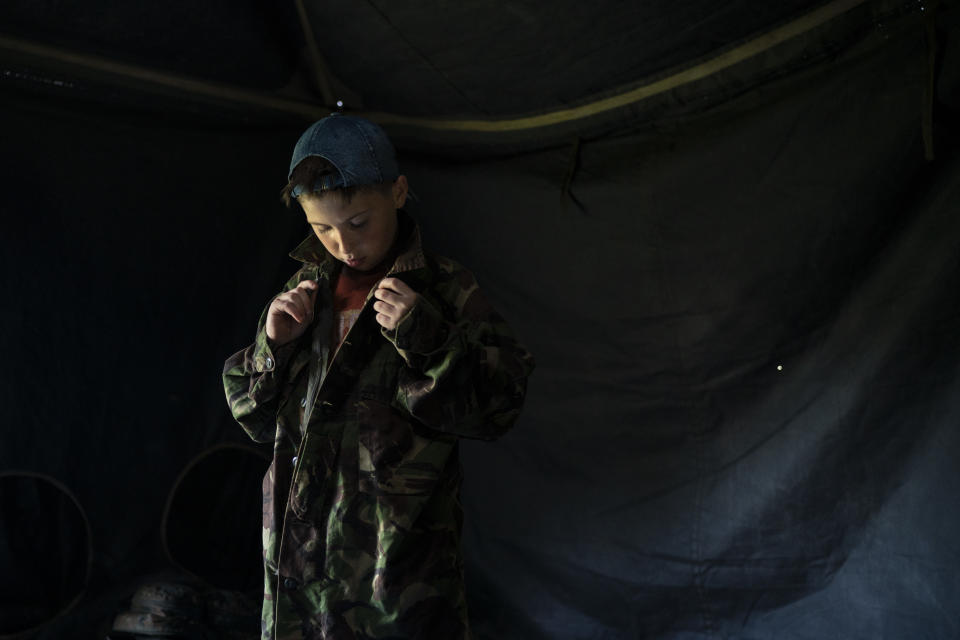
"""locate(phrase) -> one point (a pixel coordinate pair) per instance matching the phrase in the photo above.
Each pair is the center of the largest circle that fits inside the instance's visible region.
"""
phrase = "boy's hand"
(394, 300)
(291, 313)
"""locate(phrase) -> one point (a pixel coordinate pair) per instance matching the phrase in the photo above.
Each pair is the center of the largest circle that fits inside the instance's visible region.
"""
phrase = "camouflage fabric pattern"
(361, 512)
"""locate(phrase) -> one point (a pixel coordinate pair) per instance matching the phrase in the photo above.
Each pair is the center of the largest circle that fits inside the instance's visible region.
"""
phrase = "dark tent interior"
(728, 232)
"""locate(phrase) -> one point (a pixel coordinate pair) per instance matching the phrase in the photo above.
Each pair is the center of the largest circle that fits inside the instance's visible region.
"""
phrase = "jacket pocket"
(393, 457)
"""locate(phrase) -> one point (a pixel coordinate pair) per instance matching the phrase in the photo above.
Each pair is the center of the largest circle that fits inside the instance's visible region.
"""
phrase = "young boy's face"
(359, 233)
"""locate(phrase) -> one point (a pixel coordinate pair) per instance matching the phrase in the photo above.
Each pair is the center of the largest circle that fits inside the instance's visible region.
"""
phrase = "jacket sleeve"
(253, 378)
(466, 373)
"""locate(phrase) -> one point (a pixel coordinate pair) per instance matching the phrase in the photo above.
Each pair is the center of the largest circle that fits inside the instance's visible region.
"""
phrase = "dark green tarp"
(744, 421)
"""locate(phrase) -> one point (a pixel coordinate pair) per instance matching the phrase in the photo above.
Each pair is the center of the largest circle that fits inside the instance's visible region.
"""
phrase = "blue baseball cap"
(359, 150)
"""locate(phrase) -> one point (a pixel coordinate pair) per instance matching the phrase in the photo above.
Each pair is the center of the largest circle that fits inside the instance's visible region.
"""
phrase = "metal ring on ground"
(46, 552)
(211, 525)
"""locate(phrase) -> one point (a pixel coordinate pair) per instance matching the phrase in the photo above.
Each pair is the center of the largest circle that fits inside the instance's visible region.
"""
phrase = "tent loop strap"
(572, 168)
(320, 70)
(930, 86)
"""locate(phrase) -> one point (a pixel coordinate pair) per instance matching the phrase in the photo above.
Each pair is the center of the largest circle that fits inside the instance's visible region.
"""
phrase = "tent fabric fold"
(743, 296)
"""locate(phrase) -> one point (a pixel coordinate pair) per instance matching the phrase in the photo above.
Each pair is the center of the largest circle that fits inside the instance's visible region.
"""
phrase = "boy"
(365, 370)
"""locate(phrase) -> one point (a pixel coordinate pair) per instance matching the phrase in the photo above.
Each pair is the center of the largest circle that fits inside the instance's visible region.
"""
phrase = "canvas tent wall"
(661, 258)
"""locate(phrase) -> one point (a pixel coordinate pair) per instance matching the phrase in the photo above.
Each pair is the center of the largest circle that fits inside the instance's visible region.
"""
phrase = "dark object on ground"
(188, 612)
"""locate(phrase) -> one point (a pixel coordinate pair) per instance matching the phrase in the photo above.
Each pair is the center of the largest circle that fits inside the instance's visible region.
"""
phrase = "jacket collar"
(311, 251)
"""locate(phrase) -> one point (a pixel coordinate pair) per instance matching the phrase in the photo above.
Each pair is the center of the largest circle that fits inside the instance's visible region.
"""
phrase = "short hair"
(311, 170)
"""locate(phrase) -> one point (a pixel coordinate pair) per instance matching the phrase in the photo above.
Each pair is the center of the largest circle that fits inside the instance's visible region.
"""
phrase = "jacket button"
(303, 401)
(289, 583)
(268, 363)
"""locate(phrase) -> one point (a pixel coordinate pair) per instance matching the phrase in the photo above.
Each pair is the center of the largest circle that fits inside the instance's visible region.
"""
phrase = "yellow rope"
(311, 111)
(160, 78)
(727, 59)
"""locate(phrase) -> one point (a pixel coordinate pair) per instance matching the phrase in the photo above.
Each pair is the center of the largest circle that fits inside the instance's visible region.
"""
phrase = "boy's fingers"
(296, 304)
(396, 285)
(291, 309)
(382, 307)
(308, 284)
(307, 287)
(300, 300)
(386, 295)
(303, 296)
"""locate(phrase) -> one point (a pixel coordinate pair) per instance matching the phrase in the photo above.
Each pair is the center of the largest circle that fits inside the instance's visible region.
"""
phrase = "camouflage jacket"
(361, 511)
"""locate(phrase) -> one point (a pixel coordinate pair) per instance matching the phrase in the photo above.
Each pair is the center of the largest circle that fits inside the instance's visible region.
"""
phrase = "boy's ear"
(400, 189)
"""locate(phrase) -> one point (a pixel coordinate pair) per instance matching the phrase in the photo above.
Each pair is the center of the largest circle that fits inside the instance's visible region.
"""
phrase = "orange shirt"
(349, 294)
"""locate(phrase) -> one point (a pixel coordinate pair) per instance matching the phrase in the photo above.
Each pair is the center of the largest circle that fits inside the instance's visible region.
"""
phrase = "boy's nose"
(346, 247)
